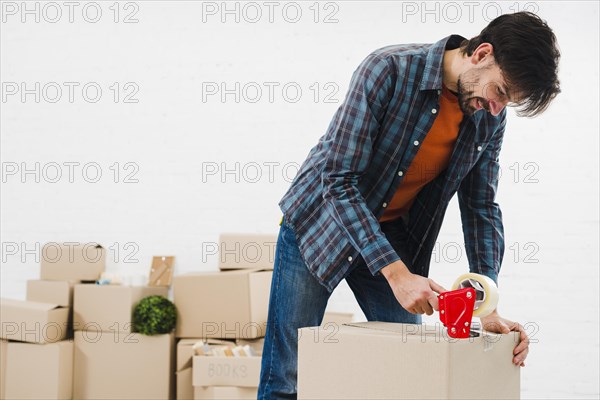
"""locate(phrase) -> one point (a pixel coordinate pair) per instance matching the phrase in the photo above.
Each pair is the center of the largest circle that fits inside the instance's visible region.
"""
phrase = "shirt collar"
(433, 74)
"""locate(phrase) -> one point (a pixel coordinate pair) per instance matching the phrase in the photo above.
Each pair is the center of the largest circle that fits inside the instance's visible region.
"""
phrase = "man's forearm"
(395, 271)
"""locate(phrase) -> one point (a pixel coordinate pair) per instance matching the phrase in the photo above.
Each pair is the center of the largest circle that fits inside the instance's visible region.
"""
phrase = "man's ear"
(482, 53)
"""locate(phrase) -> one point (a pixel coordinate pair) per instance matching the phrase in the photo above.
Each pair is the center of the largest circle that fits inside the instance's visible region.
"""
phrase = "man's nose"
(496, 106)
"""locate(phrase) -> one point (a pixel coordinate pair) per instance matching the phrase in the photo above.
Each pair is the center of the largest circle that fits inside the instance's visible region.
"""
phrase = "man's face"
(483, 87)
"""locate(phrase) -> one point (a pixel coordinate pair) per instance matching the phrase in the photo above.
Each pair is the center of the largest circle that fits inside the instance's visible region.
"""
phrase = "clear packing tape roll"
(486, 292)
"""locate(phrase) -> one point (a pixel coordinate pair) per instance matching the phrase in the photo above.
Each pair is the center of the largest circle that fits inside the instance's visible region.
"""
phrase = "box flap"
(399, 328)
(184, 353)
(219, 272)
(188, 342)
(29, 305)
(72, 244)
(336, 317)
(420, 329)
(46, 291)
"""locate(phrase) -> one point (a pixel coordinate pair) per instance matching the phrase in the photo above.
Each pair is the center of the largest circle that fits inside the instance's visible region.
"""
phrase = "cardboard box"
(226, 371)
(224, 393)
(246, 251)
(109, 308)
(56, 292)
(38, 371)
(337, 318)
(227, 304)
(185, 352)
(403, 361)
(255, 344)
(32, 321)
(3, 351)
(185, 389)
(120, 365)
(72, 261)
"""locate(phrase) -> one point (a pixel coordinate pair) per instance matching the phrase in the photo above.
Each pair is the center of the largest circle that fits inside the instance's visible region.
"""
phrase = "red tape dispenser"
(456, 311)
(472, 295)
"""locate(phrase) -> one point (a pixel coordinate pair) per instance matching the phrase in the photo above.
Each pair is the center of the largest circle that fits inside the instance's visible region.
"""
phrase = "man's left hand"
(495, 323)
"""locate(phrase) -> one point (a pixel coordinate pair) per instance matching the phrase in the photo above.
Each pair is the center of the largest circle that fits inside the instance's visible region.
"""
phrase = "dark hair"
(526, 51)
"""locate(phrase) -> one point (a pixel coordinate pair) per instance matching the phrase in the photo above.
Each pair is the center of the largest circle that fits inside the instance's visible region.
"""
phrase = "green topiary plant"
(154, 315)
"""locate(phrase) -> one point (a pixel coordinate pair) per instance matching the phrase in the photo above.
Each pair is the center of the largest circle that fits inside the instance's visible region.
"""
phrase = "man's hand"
(415, 293)
(495, 323)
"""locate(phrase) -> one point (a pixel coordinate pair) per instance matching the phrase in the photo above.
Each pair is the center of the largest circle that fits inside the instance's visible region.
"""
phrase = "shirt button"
(384, 205)
(400, 173)
(350, 258)
(416, 143)
(433, 110)
(479, 148)
(439, 91)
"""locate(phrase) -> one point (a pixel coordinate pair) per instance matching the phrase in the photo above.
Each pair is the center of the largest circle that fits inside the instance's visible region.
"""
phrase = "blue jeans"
(298, 300)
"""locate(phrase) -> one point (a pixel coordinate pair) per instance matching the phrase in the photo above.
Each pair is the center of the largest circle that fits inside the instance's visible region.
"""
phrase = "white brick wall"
(171, 134)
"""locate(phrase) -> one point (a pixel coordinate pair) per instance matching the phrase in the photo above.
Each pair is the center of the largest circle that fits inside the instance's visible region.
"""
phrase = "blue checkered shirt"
(335, 201)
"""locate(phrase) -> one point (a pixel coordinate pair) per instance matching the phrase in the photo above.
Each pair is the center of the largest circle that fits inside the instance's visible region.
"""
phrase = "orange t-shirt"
(431, 159)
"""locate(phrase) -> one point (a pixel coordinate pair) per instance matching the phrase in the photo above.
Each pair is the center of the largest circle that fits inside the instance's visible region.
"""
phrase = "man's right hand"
(418, 295)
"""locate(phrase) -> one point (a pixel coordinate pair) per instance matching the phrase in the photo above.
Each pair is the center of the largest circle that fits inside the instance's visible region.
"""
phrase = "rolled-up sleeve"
(354, 130)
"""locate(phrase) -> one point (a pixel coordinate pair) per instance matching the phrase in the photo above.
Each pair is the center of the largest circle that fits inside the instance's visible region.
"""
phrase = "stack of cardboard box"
(228, 308)
(112, 362)
(81, 337)
(36, 354)
(217, 377)
(229, 304)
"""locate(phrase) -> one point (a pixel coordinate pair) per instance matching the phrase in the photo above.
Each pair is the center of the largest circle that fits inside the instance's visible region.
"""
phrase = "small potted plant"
(154, 315)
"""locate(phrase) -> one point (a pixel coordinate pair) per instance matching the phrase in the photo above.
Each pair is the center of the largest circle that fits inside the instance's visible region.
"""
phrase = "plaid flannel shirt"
(341, 189)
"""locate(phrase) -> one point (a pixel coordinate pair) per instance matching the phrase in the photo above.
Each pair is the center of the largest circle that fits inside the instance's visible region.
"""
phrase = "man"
(419, 123)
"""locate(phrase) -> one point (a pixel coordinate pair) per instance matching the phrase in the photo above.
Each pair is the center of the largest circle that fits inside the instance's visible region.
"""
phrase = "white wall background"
(175, 140)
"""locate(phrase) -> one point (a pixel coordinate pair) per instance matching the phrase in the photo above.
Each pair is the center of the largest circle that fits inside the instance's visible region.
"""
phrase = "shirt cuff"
(378, 255)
